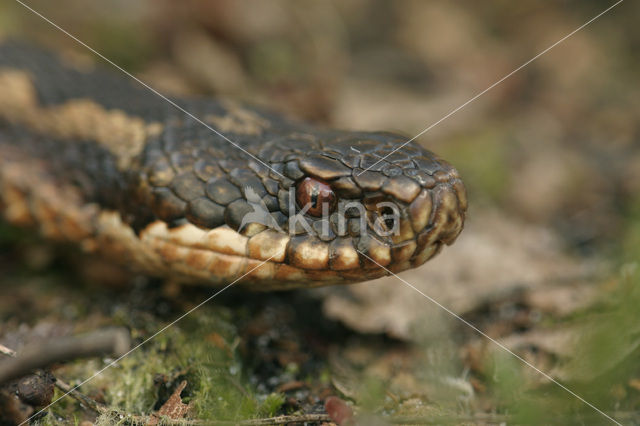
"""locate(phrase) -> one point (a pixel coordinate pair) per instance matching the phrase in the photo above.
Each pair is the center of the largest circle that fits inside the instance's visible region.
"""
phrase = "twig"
(304, 418)
(447, 419)
(279, 420)
(7, 351)
(105, 342)
(91, 404)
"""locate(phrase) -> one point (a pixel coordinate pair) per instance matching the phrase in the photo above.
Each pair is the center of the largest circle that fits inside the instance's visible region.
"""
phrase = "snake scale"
(91, 157)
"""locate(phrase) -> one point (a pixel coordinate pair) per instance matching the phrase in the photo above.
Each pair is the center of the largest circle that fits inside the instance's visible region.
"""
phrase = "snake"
(224, 193)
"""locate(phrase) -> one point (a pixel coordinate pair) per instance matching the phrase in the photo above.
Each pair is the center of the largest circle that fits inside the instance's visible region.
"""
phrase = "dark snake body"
(78, 142)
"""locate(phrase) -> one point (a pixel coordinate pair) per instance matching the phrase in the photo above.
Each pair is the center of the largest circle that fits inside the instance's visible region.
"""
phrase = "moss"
(525, 403)
(373, 394)
(201, 349)
(115, 418)
(504, 375)
(271, 405)
(630, 247)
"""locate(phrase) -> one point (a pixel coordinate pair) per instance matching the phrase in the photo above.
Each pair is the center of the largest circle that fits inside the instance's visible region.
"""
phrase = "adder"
(90, 156)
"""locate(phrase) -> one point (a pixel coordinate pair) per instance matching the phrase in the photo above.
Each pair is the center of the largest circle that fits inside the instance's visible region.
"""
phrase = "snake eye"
(317, 194)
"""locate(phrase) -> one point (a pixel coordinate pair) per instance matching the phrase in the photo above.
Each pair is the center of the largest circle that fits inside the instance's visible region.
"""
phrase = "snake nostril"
(387, 215)
(389, 223)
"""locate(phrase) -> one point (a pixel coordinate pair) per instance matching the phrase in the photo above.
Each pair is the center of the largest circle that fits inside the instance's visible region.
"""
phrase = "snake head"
(304, 209)
(354, 207)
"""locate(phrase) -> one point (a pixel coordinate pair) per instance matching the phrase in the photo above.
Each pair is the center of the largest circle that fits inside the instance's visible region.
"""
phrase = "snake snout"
(411, 219)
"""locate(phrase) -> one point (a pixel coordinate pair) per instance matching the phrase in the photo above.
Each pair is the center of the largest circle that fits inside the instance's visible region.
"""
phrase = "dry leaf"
(174, 408)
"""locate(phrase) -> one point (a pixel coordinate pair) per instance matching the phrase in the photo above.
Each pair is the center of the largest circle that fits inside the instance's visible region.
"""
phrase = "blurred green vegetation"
(483, 160)
(603, 368)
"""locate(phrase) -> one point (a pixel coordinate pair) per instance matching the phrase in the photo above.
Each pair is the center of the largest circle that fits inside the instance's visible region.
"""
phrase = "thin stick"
(279, 420)
(7, 351)
(43, 354)
(91, 404)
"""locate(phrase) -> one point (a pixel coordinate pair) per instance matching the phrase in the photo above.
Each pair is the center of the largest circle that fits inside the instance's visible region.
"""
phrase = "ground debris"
(339, 411)
(495, 256)
(174, 408)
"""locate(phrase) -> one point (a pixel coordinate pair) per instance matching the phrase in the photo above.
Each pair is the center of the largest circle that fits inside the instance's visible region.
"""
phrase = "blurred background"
(550, 157)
